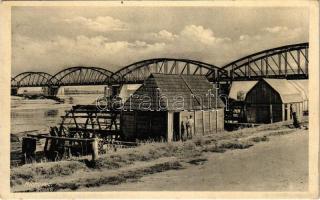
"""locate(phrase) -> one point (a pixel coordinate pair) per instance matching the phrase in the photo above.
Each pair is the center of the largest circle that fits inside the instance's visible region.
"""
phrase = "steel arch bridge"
(32, 79)
(290, 61)
(76, 76)
(140, 71)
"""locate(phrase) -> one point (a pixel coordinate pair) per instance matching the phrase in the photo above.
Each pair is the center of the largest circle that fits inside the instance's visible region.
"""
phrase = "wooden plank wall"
(260, 114)
(198, 123)
(277, 112)
(143, 125)
(220, 121)
(205, 121)
(128, 124)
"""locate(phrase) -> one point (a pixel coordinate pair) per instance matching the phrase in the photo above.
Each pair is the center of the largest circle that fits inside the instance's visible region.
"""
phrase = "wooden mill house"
(156, 110)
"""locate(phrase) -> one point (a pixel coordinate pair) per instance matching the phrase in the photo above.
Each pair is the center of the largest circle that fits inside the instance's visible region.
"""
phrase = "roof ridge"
(188, 86)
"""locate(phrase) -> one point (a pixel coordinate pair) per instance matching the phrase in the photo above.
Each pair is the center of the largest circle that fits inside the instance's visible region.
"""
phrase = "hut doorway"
(176, 126)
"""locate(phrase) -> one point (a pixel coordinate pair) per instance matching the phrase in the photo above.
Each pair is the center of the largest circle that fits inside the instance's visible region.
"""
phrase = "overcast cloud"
(50, 39)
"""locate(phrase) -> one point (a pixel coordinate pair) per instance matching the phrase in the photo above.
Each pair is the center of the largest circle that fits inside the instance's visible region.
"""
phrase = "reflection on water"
(70, 100)
(51, 113)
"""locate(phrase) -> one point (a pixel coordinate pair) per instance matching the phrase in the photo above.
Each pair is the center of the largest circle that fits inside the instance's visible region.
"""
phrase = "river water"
(38, 115)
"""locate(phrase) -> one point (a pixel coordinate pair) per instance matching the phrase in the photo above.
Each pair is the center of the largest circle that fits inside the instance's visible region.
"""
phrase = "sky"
(50, 39)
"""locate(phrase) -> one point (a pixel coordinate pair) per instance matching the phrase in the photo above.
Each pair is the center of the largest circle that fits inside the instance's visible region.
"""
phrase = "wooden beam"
(60, 138)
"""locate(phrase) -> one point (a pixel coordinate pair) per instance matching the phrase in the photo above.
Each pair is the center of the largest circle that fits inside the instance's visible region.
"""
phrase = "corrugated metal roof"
(240, 87)
(287, 91)
(174, 92)
(127, 90)
(302, 87)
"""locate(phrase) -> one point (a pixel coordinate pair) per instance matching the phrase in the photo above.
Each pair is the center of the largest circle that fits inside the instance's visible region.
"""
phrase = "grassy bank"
(131, 164)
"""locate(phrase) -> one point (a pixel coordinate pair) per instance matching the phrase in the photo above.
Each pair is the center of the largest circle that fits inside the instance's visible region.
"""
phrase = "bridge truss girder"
(76, 76)
(31, 79)
(140, 71)
(289, 62)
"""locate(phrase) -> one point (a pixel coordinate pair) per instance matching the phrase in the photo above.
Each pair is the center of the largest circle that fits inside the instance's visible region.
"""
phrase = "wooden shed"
(272, 100)
(155, 111)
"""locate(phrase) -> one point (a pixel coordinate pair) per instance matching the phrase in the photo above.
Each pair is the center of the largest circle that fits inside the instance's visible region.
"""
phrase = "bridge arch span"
(31, 79)
(140, 71)
(75, 76)
(290, 61)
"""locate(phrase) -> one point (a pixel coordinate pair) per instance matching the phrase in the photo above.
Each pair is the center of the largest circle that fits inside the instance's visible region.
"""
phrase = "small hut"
(159, 107)
(273, 100)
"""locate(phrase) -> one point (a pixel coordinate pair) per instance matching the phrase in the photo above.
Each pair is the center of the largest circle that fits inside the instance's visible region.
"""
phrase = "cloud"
(198, 33)
(275, 29)
(200, 36)
(99, 24)
(283, 31)
(191, 42)
(273, 35)
(62, 52)
(190, 35)
(164, 35)
(247, 37)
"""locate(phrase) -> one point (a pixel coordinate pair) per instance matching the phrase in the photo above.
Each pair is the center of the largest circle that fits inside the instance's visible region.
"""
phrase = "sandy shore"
(280, 164)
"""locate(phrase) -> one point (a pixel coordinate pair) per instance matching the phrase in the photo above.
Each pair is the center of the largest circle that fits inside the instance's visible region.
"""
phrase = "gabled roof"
(174, 92)
(238, 87)
(287, 91)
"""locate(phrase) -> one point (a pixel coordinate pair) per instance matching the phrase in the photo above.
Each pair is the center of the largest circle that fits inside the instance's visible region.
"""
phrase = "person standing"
(189, 126)
(294, 116)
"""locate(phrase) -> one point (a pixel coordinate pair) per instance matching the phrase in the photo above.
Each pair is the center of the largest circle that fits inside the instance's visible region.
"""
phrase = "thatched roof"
(174, 93)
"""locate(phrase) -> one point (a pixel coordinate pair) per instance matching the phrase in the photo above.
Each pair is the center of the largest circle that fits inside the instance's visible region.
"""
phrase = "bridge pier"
(14, 91)
(115, 89)
(53, 90)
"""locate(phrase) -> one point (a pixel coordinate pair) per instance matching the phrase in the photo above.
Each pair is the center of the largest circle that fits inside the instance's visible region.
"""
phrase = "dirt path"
(280, 164)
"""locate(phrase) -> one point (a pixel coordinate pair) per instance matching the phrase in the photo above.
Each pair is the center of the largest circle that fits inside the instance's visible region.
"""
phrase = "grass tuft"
(235, 144)
(259, 139)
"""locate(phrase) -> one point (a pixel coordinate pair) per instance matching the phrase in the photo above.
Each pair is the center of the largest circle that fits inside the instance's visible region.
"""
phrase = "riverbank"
(280, 164)
(115, 170)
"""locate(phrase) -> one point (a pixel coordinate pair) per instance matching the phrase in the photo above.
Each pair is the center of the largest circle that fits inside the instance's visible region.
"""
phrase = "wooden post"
(271, 116)
(210, 129)
(194, 124)
(28, 149)
(289, 112)
(170, 126)
(95, 149)
(216, 120)
(244, 117)
(202, 122)
(180, 136)
(283, 113)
